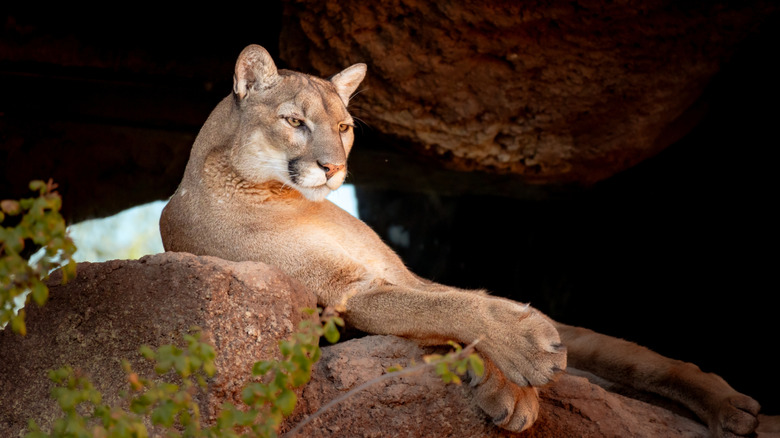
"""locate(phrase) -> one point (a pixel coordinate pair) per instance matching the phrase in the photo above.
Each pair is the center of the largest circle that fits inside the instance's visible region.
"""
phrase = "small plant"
(456, 363)
(172, 407)
(273, 398)
(166, 404)
(39, 224)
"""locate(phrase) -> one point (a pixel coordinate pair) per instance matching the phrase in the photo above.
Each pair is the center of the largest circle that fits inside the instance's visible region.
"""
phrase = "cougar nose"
(330, 169)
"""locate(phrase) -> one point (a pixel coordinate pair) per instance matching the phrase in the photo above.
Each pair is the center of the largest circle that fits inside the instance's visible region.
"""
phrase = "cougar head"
(293, 127)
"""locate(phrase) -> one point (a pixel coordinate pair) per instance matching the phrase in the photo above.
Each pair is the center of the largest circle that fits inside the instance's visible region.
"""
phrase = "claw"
(519, 424)
(475, 379)
(499, 420)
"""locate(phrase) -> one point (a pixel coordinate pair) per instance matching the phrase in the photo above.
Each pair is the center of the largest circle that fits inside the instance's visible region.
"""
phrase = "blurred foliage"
(451, 366)
(38, 223)
(272, 398)
(172, 408)
(167, 404)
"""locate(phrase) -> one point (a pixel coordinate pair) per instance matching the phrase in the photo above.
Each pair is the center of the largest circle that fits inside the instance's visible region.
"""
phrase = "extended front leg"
(520, 345)
(724, 410)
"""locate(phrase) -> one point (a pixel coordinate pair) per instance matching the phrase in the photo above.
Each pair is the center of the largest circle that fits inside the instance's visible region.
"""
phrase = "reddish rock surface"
(423, 406)
(557, 92)
(112, 308)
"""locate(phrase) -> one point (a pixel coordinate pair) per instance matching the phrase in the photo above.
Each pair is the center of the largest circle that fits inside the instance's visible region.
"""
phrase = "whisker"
(355, 94)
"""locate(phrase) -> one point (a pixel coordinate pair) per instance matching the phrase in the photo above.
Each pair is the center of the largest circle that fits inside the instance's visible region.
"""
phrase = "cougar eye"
(294, 122)
(343, 127)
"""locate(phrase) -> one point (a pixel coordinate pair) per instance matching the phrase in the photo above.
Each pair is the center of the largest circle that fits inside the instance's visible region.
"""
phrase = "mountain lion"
(255, 187)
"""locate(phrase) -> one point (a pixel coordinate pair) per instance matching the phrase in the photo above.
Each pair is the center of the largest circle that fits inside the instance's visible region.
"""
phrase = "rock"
(113, 308)
(557, 93)
(423, 406)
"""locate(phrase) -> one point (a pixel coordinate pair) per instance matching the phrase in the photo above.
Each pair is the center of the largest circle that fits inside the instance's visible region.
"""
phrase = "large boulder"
(421, 405)
(557, 92)
(112, 308)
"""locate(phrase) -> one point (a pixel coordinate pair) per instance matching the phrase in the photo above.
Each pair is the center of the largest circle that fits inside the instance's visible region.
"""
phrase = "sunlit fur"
(247, 194)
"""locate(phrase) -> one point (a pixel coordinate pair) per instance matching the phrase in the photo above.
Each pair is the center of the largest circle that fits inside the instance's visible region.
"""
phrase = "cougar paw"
(737, 416)
(511, 407)
(523, 344)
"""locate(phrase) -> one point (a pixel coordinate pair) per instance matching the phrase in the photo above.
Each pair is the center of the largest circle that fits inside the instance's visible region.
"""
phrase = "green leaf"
(227, 416)
(17, 323)
(146, 352)
(60, 374)
(252, 392)
(182, 365)
(443, 370)
(164, 413)
(35, 431)
(301, 377)
(210, 368)
(477, 365)
(245, 418)
(40, 292)
(461, 367)
(285, 347)
(331, 332)
(316, 354)
(69, 269)
(166, 356)
(37, 186)
(260, 368)
(432, 358)
(286, 401)
(67, 400)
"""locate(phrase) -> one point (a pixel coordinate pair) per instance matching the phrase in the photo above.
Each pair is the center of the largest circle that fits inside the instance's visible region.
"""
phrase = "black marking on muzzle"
(292, 169)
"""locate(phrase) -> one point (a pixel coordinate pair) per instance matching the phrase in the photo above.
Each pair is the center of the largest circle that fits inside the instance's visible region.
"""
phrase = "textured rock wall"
(555, 91)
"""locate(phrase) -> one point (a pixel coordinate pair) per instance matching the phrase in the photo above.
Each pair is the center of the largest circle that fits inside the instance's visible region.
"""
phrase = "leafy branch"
(173, 408)
(38, 223)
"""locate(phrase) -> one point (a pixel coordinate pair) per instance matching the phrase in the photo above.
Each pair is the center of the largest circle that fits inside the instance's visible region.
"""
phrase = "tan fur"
(254, 189)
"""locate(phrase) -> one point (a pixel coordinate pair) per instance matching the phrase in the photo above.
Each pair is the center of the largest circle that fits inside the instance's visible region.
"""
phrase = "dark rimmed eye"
(295, 123)
(343, 127)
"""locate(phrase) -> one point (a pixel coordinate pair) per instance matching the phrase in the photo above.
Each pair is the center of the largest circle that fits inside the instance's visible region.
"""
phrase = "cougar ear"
(348, 80)
(255, 70)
